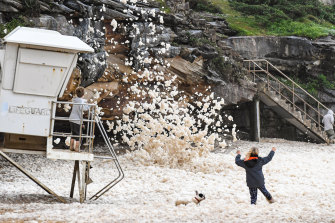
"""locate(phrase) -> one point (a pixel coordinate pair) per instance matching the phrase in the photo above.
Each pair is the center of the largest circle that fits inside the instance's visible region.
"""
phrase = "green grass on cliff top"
(308, 26)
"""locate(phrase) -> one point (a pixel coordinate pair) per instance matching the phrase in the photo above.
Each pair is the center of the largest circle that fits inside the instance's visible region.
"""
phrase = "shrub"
(9, 26)
(194, 41)
(314, 85)
(307, 29)
(276, 10)
(204, 5)
(308, 18)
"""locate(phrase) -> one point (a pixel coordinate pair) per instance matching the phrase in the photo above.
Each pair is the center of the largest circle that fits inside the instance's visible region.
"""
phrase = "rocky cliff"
(154, 75)
(137, 30)
(146, 47)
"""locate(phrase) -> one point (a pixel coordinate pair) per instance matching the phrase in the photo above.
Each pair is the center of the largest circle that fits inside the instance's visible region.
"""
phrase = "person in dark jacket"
(254, 174)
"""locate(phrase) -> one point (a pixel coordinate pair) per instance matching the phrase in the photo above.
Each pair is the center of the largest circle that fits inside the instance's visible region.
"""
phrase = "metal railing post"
(53, 115)
(248, 67)
(293, 96)
(305, 112)
(254, 66)
(319, 116)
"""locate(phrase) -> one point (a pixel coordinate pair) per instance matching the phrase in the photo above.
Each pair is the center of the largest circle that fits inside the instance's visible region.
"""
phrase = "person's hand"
(273, 149)
(238, 152)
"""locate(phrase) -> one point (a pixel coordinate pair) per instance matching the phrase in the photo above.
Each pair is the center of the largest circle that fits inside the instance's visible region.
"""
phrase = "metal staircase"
(288, 99)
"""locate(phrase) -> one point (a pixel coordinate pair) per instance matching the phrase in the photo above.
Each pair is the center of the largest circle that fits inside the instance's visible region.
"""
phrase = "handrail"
(287, 99)
(258, 67)
(114, 158)
(281, 83)
(92, 119)
(87, 134)
(306, 92)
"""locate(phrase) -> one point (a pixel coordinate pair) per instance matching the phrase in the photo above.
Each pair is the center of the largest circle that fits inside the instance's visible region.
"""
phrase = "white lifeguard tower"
(36, 66)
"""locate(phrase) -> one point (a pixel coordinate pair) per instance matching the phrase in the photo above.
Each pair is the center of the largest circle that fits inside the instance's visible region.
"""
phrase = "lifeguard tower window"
(41, 72)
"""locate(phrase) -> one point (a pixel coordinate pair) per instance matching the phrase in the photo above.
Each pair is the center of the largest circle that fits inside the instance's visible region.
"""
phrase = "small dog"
(197, 199)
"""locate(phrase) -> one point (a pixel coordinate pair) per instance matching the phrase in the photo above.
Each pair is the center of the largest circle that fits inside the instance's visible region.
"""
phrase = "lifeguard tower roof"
(47, 38)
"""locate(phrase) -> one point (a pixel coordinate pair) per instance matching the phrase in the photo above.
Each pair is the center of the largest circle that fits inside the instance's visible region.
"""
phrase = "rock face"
(295, 56)
(90, 20)
(131, 36)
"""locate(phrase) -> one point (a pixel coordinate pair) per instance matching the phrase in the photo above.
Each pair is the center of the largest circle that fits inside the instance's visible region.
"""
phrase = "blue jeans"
(253, 193)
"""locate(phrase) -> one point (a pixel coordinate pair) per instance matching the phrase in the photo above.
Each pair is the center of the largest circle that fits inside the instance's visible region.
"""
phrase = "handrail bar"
(287, 99)
(278, 86)
(282, 84)
(73, 103)
(116, 162)
(297, 107)
(86, 134)
(66, 135)
(269, 74)
(68, 119)
(263, 60)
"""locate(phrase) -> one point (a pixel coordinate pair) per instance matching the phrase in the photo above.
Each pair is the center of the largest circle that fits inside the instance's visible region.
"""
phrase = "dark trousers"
(75, 130)
(253, 193)
(330, 134)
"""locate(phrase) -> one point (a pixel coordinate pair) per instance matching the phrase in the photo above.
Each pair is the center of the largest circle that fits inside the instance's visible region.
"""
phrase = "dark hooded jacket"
(253, 168)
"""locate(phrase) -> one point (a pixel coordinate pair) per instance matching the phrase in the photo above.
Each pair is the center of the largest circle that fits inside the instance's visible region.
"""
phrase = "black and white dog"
(197, 199)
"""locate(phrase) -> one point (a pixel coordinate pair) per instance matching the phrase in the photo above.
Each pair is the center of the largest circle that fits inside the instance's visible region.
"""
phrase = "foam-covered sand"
(301, 177)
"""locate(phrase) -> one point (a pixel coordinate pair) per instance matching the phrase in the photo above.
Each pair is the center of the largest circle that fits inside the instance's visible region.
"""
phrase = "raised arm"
(269, 157)
(238, 160)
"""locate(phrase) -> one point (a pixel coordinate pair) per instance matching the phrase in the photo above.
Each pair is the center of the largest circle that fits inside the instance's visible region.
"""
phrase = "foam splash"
(163, 125)
(169, 130)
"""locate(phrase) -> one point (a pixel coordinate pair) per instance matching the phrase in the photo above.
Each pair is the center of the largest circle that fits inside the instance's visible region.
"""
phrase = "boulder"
(63, 26)
(44, 22)
(173, 51)
(4, 7)
(80, 8)
(15, 3)
(92, 67)
(293, 55)
(100, 90)
(60, 8)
